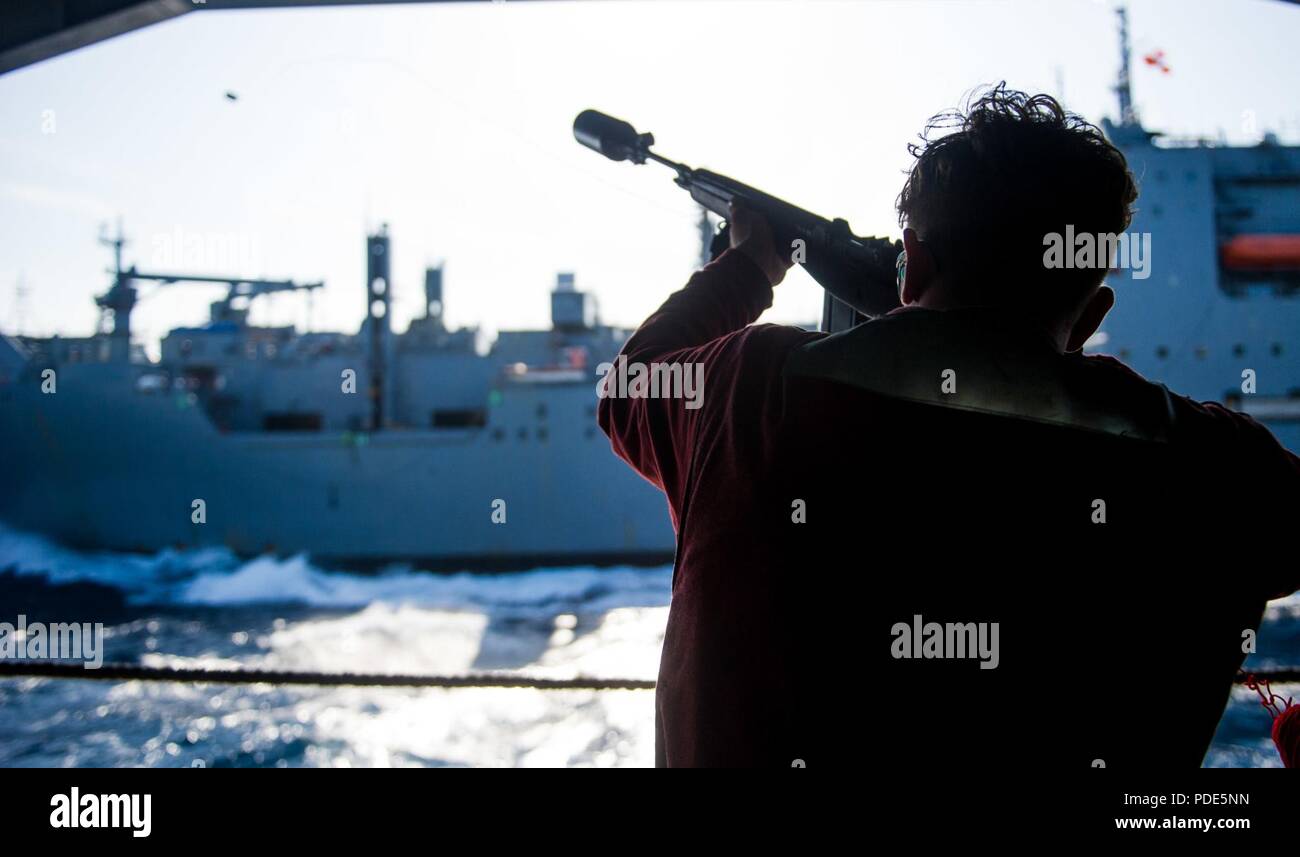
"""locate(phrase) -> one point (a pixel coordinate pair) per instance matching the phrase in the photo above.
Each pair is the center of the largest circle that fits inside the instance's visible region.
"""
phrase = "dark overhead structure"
(35, 30)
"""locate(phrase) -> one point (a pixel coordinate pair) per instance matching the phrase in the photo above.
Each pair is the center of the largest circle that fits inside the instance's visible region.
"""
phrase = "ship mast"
(378, 303)
(1127, 115)
(20, 305)
(118, 301)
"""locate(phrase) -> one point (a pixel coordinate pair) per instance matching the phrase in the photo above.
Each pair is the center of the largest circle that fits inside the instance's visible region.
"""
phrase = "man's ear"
(1094, 312)
(921, 269)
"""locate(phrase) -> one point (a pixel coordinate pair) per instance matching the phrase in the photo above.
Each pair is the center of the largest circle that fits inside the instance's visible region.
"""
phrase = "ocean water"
(209, 609)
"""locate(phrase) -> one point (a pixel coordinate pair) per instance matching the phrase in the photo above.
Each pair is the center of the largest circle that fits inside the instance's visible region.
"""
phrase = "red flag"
(1156, 59)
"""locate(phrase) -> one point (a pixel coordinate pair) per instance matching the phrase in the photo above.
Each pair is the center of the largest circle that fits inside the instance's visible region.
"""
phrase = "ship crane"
(120, 299)
(238, 287)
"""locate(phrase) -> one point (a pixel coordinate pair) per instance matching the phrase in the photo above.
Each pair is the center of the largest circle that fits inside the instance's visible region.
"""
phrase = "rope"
(136, 672)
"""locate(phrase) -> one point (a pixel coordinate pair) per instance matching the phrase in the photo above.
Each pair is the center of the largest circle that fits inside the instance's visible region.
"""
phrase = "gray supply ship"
(358, 449)
(436, 442)
(1217, 315)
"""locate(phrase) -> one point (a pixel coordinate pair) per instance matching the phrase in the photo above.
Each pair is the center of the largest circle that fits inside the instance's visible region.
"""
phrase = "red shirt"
(778, 645)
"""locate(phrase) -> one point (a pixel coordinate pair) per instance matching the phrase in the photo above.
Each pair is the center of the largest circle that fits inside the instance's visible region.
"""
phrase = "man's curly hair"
(992, 180)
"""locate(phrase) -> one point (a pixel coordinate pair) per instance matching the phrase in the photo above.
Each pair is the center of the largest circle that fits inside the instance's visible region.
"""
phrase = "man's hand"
(751, 234)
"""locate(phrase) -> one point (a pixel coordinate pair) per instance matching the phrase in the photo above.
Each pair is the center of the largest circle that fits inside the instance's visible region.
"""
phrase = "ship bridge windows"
(458, 418)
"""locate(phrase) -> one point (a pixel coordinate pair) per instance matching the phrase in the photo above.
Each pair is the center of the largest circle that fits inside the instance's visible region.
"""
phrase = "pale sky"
(452, 123)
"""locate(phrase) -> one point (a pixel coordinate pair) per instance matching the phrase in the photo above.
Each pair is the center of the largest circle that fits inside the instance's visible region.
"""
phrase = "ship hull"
(100, 464)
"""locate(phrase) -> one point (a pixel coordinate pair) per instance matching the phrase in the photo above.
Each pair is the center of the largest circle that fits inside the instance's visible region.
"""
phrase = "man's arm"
(657, 436)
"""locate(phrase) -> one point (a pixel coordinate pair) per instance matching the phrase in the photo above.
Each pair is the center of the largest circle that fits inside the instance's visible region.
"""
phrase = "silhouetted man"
(946, 537)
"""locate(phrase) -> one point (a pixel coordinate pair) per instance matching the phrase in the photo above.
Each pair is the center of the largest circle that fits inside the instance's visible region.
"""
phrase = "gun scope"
(613, 138)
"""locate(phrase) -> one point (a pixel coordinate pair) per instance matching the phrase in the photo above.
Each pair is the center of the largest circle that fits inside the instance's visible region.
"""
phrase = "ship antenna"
(1127, 116)
(20, 305)
(117, 243)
